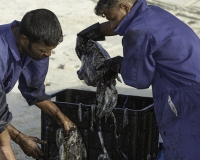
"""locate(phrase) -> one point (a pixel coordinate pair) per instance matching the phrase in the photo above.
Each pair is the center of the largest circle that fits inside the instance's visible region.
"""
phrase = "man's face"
(116, 14)
(38, 51)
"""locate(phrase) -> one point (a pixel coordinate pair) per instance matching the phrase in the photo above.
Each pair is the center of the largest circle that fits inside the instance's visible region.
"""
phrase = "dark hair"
(41, 24)
(102, 5)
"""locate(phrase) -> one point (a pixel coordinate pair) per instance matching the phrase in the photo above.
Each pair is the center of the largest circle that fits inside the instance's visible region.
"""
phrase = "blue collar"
(138, 8)
(12, 41)
(13, 46)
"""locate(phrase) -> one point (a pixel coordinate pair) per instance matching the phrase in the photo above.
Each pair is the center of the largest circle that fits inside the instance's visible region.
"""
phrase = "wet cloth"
(162, 51)
(30, 73)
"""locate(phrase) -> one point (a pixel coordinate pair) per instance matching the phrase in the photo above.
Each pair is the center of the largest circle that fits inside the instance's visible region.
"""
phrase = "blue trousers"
(160, 155)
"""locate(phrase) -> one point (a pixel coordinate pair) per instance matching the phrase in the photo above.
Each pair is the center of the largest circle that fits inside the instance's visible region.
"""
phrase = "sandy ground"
(74, 16)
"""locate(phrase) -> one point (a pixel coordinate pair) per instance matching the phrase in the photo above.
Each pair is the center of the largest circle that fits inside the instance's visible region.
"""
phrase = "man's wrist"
(15, 138)
(13, 132)
(60, 118)
(19, 137)
(106, 29)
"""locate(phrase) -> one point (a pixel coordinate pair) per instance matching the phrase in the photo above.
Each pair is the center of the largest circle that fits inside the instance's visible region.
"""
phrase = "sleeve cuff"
(40, 99)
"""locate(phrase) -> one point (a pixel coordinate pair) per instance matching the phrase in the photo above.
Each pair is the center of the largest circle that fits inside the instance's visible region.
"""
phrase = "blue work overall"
(177, 109)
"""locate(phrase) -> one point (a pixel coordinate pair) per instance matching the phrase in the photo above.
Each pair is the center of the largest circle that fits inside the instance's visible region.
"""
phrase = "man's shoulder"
(4, 29)
(159, 21)
(6, 36)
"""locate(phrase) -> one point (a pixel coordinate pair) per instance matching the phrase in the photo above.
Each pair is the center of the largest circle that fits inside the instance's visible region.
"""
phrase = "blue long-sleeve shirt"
(30, 73)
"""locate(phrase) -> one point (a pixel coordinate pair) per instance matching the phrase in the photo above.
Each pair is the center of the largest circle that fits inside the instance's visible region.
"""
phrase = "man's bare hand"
(29, 145)
(67, 125)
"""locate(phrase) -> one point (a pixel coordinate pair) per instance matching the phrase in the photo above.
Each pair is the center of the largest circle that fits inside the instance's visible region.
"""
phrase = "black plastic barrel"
(138, 139)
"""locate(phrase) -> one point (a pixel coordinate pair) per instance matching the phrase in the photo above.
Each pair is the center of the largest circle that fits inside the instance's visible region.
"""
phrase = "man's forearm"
(13, 132)
(6, 152)
(51, 109)
(106, 29)
(97, 31)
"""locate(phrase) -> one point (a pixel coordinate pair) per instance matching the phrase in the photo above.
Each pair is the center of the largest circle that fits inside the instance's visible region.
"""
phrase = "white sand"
(74, 16)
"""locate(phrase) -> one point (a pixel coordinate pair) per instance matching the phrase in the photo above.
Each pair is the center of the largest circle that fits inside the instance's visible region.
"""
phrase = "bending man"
(25, 48)
(162, 51)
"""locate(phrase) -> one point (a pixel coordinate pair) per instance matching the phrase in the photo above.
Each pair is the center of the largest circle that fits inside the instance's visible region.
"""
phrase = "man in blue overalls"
(162, 51)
